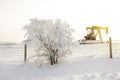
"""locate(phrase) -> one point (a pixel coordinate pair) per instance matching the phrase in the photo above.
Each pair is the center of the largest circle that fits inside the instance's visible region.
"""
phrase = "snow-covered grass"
(88, 62)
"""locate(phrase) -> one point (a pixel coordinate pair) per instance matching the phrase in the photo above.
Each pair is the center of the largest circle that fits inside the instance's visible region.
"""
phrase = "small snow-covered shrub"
(51, 38)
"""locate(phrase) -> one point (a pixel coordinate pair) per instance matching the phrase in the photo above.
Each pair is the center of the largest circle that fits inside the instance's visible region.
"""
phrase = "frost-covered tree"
(51, 38)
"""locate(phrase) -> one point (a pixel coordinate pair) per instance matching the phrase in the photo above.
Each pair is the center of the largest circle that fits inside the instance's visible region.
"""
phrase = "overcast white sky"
(14, 14)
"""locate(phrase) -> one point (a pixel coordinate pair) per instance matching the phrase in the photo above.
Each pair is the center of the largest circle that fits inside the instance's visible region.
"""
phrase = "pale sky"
(14, 14)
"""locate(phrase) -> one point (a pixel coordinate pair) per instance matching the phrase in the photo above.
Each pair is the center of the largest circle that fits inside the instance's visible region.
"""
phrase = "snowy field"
(88, 62)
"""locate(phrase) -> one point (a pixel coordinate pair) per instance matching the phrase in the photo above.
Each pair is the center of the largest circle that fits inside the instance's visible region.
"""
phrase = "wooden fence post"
(110, 46)
(25, 52)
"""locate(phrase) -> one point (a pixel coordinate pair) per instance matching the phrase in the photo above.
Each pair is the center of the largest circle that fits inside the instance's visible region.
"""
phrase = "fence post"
(25, 52)
(110, 46)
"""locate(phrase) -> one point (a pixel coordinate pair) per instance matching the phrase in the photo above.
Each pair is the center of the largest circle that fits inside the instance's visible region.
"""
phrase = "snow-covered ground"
(88, 62)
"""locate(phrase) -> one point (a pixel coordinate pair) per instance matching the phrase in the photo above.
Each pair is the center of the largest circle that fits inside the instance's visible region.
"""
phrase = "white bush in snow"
(51, 38)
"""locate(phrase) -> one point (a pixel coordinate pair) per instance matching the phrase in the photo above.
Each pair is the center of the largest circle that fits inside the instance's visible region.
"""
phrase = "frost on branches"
(52, 39)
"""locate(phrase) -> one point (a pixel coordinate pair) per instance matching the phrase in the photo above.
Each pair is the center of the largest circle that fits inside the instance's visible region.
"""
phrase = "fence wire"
(15, 53)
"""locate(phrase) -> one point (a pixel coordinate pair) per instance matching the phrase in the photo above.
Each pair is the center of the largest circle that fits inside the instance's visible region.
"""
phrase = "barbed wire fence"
(15, 53)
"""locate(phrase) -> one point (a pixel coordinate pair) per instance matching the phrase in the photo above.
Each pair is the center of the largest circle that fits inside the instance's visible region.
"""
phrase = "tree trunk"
(51, 60)
(54, 59)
